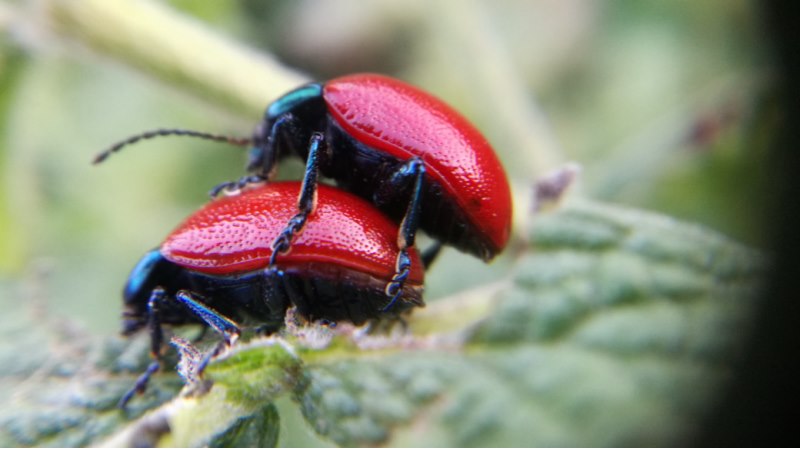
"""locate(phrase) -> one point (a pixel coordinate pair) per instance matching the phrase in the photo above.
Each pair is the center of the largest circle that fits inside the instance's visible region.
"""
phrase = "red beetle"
(407, 152)
(214, 268)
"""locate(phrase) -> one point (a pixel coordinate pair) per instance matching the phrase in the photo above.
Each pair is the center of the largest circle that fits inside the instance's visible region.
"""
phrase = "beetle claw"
(231, 188)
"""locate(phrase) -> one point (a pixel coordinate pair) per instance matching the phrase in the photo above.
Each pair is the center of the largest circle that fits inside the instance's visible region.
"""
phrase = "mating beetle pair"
(407, 153)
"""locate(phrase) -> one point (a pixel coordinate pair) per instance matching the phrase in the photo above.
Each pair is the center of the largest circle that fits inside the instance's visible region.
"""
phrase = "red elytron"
(405, 122)
(234, 234)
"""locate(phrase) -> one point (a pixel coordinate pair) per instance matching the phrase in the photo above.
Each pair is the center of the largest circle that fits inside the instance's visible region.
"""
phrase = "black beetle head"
(151, 271)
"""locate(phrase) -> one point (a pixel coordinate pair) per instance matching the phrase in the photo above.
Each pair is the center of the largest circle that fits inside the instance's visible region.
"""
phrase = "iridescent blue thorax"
(293, 100)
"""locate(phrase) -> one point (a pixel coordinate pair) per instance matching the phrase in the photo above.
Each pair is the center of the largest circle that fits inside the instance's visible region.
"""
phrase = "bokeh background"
(666, 106)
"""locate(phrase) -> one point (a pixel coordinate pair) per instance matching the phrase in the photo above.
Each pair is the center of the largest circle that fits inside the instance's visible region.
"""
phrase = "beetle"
(407, 152)
(214, 269)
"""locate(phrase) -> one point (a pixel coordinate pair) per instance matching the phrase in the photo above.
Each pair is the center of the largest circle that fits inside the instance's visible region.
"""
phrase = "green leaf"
(60, 388)
(619, 328)
(616, 327)
(257, 430)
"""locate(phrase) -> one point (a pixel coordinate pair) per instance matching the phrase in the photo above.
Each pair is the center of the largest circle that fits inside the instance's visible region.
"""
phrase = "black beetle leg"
(229, 330)
(141, 384)
(411, 172)
(224, 326)
(263, 156)
(235, 186)
(156, 341)
(201, 367)
(305, 202)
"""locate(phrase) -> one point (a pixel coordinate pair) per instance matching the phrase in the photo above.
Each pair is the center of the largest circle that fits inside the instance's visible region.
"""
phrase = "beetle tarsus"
(394, 288)
(140, 386)
(234, 187)
(283, 242)
(306, 201)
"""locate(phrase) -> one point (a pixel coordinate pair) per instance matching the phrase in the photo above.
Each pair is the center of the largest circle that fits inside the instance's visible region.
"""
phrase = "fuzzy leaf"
(619, 329)
(616, 327)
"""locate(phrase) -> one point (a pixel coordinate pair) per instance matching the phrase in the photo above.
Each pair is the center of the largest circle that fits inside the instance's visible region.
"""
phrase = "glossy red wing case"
(404, 121)
(233, 234)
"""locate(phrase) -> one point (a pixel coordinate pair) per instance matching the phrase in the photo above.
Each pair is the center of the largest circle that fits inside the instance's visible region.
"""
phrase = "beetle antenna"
(238, 141)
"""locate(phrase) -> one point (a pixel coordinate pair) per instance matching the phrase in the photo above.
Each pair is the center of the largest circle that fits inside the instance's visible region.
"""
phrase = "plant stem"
(171, 47)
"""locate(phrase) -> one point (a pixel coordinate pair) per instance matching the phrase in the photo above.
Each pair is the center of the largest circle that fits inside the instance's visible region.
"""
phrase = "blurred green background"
(667, 106)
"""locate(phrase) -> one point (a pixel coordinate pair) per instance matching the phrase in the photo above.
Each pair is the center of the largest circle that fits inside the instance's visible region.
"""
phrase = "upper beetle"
(402, 149)
(214, 269)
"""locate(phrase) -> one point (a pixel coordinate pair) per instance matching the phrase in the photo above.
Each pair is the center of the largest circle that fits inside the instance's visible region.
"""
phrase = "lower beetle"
(216, 268)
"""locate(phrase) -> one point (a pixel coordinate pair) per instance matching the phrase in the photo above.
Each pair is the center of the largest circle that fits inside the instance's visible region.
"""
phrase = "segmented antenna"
(238, 141)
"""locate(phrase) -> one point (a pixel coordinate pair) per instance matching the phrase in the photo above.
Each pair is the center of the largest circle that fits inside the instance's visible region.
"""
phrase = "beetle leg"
(306, 202)
(224, 326)
(207, 358)
(263, 156)
(156, 341)
(276, 293)
(235, 186)
(283, 293)
(141, 384)
(274, 297)
(411, 172)
(395, 287)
